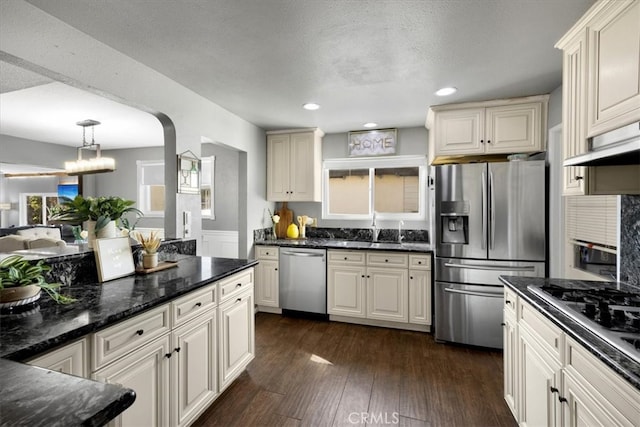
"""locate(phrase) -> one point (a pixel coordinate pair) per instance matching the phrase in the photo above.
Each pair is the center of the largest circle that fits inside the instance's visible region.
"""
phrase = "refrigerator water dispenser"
(454, 222)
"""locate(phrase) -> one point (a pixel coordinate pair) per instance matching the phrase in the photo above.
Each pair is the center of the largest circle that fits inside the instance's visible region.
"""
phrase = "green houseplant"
(21, 280)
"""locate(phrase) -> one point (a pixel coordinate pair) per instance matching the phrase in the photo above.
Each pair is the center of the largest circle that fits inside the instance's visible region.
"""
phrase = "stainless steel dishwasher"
(303, 280)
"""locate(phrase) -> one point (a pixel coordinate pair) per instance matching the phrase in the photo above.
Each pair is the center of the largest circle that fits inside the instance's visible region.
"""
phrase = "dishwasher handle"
(491, 267)
(477, 294)
(304, 254)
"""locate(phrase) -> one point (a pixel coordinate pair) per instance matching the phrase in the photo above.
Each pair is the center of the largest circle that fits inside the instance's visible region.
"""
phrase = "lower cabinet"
(267, 286)
(551, 380)
(384, 286)
(71, 359)
(237, 336)
(146, 371)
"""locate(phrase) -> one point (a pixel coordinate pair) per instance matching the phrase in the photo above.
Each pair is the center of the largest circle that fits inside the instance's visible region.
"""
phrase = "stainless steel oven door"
(469, 314)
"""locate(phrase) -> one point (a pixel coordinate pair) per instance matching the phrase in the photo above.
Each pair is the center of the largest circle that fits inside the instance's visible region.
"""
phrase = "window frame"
(22, 207)
(204, 161)
(373, 163)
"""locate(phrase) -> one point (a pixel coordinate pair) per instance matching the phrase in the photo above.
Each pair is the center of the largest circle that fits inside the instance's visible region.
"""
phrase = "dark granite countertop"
(349, 244)
(60, 399)
(49, 325)
(620, 363)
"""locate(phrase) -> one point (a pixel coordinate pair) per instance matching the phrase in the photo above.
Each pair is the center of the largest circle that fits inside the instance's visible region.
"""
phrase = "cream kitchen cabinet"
(510, 350)
(294, 165)
(236, 323)
(387, 294)
(71, 359)
(492, 127)
(613, 76)
(267, 286)
(346, 278)
(420, 289)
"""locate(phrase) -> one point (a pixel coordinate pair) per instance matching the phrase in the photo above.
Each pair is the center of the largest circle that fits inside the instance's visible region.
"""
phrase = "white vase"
(108, 231)
(150, 260)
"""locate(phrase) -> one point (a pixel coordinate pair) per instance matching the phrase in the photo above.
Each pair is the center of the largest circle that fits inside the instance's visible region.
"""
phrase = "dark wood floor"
(314, 373)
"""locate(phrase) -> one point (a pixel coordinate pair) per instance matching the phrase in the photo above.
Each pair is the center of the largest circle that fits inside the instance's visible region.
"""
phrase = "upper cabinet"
(493, 127)
(601, 91)
(294, 165)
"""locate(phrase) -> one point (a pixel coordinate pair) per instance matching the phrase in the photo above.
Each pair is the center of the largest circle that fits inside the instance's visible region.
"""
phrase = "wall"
(29, 152)
(555, 108)
(411, 141)
(555, 202)
(39, 42)
(226, 184)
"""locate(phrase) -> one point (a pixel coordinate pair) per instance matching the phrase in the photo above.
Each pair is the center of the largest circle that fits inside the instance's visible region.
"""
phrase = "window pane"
(34, 210)
(156, 198)
(349, 191)
(396, 190)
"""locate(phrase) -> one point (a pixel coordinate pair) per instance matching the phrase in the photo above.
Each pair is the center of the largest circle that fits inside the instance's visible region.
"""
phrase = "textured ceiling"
(365, 60)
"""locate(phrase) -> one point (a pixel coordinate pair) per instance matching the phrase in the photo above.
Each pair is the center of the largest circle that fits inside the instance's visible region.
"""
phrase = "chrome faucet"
(375, 232)
(400, 236)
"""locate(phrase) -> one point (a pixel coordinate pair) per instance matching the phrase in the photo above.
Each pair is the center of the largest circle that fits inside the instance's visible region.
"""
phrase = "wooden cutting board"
(286, 218)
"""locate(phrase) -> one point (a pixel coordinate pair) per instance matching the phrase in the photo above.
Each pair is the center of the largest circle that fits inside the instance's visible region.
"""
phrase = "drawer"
(387, 259)
(510, 301)
(267, 252)
(191, 305)
(346, 257)
(420, 262)
(124, 337)
(235, 284)
(549, 335)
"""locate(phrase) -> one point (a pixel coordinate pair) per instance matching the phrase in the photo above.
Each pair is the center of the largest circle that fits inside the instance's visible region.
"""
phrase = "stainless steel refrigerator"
(490, 220)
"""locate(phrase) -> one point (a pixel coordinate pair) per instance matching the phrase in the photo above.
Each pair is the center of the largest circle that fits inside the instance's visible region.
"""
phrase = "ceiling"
(363, 61)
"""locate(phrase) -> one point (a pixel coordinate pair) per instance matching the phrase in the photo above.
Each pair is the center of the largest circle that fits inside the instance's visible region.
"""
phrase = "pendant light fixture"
(97, 164)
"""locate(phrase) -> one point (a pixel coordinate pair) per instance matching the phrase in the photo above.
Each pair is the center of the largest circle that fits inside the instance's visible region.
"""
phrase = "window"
(151, 187)
(206, 187)
(395, 188)
(34, 207)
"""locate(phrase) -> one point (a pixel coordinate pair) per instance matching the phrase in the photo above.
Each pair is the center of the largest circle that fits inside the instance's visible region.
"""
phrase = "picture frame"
(114, 258)
(379, 142)
(189, 172)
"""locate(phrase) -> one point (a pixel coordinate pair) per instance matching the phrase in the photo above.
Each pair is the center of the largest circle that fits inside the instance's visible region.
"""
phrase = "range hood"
(618, 147)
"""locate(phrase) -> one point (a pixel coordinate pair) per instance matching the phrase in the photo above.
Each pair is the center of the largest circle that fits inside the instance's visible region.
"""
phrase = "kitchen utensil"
(286, 218)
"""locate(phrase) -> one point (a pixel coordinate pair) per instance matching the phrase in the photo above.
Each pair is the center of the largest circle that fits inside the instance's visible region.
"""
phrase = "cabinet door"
(194, 367)
(267, 287)
(583, 409)
(278, 168)
(420, 297)
(387, 294)
(302, 179)
(510, 343)
(513, 128)
(345, 290)
(459, 132)
(146, 371)
(539, 385)
(613, 95)
(70, 359)
(237, 330)
(574, 90)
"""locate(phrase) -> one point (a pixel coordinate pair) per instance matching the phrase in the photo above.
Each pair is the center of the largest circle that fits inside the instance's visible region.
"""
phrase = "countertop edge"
(569, 326)
(337, 244)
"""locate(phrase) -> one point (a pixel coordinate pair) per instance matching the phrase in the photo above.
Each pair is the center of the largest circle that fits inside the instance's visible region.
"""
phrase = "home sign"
(372, 142)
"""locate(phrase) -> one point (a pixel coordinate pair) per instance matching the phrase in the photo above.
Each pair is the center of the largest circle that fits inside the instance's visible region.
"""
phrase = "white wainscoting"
(222, 244)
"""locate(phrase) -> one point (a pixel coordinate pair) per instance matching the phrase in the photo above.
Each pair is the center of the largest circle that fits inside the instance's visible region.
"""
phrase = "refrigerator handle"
(483, 189)
(492, 212)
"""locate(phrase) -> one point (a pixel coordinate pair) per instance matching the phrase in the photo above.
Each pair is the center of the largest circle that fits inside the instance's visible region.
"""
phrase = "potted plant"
(150, 247)
(99, 214)
(22, 281)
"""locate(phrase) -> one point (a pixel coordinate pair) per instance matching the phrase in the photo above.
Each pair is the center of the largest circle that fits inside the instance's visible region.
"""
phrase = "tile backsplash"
(630, 239)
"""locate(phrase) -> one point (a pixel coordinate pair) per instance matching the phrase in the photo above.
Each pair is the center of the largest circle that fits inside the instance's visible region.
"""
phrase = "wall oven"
(597, 260)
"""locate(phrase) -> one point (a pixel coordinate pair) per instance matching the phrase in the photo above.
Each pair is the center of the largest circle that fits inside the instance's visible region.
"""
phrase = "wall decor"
(379, 142)
(113, 258)
(189, 168)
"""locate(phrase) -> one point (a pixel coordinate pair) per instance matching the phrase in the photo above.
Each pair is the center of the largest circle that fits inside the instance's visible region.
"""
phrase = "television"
(67, 190)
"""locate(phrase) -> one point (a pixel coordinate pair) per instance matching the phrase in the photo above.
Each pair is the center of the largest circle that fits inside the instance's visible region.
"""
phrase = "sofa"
(31, 238)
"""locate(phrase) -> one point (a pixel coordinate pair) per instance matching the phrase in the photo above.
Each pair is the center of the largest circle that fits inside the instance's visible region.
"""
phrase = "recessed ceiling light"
(446, 91)
(370, 125)
(310, 106)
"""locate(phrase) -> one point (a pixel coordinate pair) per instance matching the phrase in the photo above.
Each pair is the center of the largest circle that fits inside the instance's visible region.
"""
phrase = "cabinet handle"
(419, 262)
(482, 141)
(238, 285)
(140, 331)
(507, 302)
(198, 304)
(386, 260)
(239, 299)
(168, 355)
(488, 141)
(177, 349)
(363, 276)
(411, 277)
(276, 268)
(345, 258)
(553, 389)
(368, 277)
(562, 399)
(578, 177)
(503, 324)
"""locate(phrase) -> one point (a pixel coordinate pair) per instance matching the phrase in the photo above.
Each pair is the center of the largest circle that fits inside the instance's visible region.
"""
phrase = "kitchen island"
(48, 326)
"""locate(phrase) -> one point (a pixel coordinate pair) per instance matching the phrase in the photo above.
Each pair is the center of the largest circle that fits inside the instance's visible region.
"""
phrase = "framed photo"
(189, 169)
(113, 258)
(380, 142)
